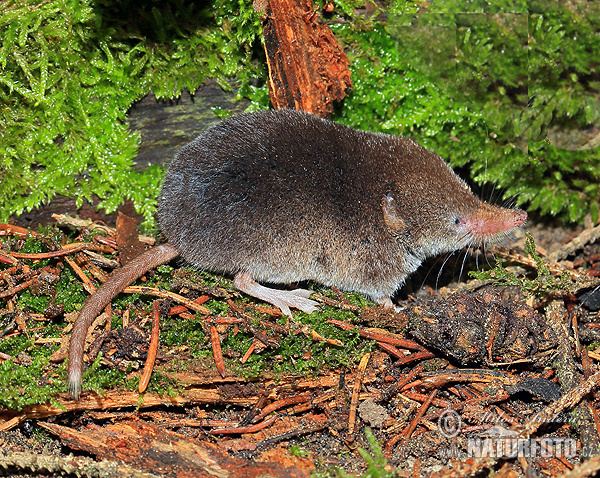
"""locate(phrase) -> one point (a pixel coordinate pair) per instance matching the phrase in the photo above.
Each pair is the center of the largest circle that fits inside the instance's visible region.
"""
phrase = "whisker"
(433, 266)
(462, 265)
(485, 255)
(442, 268)
(477, 259)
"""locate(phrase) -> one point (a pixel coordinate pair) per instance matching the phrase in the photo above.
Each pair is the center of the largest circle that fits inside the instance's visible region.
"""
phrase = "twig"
(413, 357)
(312, 334)
(284, 402)
(179, 309)
(334, 303)
(239, 430)
(587, 468)
(554, 268)
(151, 358)
(77, 223)
(249, 352)
(568, 400)
(360, 373)
(11, 423)
(411, 428)
(388, 339)
(5, 258)
(390, 349)
(11, 230)
(134, 289)
(217, 353)
(18, 288)
(297, 431)
(66, 250)
(4, 356)
(393, 389)
(586, 237)
(101, 259)
(87, 283)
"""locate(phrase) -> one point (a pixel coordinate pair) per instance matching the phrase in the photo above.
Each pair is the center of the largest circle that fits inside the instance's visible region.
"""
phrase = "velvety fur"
(287, 196)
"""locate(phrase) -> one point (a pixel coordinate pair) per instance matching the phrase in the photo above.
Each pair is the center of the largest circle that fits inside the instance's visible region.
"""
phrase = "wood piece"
(76, 223)
(127, 238)
(308, 70)
(248, 429)
(12, 230)
(217, 353)
(67, 249)
(284, 402)
(585, 469)
(358, 381)
(586, 237)
(190, 304)
(380, 336)
(203, 387)
(572, 383)
(149, 365)
(148, 447)
(165, 126)
(413, 424)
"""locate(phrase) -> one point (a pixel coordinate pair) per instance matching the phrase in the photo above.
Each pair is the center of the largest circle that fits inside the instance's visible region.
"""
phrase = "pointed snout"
(491, 220)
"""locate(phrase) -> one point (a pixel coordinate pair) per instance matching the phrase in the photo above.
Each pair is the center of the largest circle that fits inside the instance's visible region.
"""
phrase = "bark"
(308, 69)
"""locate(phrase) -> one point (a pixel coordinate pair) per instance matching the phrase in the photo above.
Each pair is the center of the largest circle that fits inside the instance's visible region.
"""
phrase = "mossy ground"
(37, 380)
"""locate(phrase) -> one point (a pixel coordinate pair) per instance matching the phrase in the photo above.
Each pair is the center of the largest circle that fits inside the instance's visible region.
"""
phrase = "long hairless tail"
(115, 283)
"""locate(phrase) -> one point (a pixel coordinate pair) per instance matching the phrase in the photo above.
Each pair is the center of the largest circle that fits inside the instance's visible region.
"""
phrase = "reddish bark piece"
(154, 449)
(149, 365)
(308, 69)
(217, 353)
(127, 238)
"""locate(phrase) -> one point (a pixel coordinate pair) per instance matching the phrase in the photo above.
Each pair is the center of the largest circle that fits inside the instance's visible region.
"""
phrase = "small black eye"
(457, 220)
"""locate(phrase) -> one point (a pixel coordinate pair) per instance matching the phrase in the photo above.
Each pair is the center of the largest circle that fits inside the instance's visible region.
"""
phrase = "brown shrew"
(285, 196)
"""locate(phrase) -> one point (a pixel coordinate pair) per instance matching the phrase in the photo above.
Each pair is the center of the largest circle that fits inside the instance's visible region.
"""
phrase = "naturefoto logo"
(500, 442)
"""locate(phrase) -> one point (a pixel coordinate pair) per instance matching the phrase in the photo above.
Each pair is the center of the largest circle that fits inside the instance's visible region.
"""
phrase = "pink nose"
(491, 220)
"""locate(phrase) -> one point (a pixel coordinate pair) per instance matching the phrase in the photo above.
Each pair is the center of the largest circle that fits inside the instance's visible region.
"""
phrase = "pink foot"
(388, 304)
(283, 299)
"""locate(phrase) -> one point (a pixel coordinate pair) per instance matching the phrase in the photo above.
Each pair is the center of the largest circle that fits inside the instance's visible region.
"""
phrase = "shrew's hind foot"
(282, 299)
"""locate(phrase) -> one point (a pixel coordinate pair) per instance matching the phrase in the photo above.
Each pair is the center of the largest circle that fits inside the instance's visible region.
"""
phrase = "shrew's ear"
(390, 214)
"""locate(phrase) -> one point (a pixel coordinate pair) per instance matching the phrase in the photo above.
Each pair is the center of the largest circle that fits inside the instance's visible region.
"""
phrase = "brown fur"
(284, 196)
(287, 196)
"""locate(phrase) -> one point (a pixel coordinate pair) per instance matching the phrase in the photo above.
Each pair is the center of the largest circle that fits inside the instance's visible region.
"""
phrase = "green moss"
(70, 70)
(176, 331)
(289, 357)
(36, 304)
(542, 286)
(218, 307)
(69, 292)
(34, 380)
(34, 383)
(297, 353)
(97, 379)
(298, 451)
